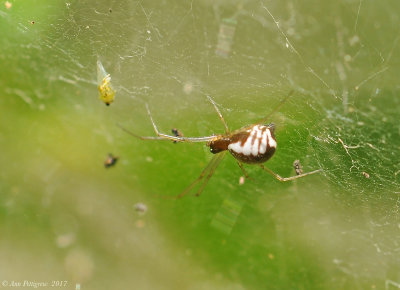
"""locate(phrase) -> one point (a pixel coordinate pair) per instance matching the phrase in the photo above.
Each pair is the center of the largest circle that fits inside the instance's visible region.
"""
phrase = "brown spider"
(252, 144)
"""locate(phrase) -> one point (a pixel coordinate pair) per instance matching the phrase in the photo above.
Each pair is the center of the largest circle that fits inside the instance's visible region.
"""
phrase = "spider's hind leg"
(244, 171)
(280, 178)
(210, 168)
(210, 174)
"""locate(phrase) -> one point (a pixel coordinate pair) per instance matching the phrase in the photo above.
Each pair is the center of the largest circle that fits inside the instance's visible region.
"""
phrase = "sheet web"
(340, 59)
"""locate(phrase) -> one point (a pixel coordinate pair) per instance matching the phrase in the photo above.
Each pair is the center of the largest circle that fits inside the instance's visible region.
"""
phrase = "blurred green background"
(64, 217)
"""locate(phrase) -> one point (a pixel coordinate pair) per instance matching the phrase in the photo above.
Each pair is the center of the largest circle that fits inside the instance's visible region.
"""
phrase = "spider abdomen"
(255, 145)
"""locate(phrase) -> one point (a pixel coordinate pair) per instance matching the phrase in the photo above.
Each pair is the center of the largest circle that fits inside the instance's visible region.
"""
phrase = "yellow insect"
(106, 91)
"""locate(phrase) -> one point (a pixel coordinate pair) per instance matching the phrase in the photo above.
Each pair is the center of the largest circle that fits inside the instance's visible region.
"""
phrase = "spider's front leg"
(176, 138)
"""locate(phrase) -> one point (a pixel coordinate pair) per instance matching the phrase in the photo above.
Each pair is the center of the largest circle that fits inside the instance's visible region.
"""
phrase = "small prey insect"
(110, 161)
(252, 144)
(106, 91)
(297, 167)
(176, 133)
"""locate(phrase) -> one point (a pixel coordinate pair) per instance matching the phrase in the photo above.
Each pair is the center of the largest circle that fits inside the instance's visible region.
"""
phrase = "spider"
(252, 144)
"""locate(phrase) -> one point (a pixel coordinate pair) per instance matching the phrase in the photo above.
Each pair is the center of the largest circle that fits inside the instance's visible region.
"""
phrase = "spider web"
(337, 229)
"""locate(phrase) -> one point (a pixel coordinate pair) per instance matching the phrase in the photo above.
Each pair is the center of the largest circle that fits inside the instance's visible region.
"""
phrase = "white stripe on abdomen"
(256, 143)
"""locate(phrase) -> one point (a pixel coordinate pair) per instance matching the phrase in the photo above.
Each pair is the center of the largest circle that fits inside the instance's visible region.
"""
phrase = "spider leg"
(161, 136)
(280, 178)
(267, 118)
(244, 171)
(219, 114)
(176, 138)
(210, 174)
(141, 137)
(210, 166)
